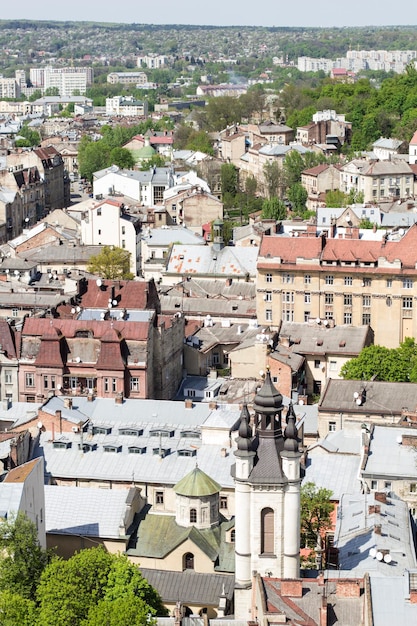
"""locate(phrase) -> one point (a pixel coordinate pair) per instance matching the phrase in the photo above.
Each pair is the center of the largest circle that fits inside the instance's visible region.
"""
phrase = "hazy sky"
(219, 12)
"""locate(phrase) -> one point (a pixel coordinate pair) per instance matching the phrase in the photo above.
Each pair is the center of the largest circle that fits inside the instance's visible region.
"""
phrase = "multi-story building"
(340, 281)
(127, 106)
(317, 181)
(152, 61)
(386, 180)
(68, 80)
(9, 88)
(127, 78)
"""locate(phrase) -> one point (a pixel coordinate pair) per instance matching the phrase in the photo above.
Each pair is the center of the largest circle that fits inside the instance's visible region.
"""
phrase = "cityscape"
(208, 324)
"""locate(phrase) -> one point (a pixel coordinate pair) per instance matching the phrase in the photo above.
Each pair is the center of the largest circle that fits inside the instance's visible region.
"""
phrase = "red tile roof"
(130, 294)
(291, 248)
(7, 340)
(38, 327)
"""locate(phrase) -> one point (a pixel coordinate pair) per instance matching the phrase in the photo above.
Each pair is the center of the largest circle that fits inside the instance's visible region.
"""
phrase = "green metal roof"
(197, 484)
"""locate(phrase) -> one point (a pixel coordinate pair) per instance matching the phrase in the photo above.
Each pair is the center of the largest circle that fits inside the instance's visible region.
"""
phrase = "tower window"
(267, 531)
(193, 516)
(188, 561)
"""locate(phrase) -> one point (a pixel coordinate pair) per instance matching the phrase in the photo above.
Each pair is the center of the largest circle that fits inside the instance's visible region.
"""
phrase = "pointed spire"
(244, 439)
(290, 433)
(268, 400)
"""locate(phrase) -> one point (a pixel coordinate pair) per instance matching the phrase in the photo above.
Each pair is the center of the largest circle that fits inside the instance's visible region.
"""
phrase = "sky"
(326, 13)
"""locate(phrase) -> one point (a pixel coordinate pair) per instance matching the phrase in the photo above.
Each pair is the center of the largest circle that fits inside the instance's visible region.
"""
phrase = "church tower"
(267, 492)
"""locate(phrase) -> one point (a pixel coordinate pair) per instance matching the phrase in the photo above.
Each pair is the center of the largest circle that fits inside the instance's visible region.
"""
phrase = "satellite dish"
(78, 360)
(114, 302)
(121, 314)
(379, 556)
(102, 315)
(59, 386)
(261, 373)
(372, 552)
(301, 402)
(318, 320)
(39, 425)
(399, 440)
(99, 282)
(387, 558)
(72, 311)
(355, 394)
(78, 309)
(358, 401)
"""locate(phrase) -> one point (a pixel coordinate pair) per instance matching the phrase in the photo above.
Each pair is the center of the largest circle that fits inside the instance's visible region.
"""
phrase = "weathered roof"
(197, 484)
(192, 587)
(314, 339)
(203, 261)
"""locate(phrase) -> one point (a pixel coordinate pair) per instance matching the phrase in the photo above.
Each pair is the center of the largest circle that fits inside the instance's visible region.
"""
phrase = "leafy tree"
(111, 263)
(123, 158)
(94, 584)
(156, 160)
(274, 209)
(275, 180)
(316, 509)
(336, 198)
(294, 164)
(31, 137)
(92, 156)
(52, 91)
(297, 195)
(16, 610)
(381, 363)
(23, 559)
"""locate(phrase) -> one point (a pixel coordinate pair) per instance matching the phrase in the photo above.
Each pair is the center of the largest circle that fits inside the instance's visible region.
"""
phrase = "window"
(114, 385)
(333, 366)
(347, 318)
(174, 207)
(106, 385)
(15, 312)
(348, 280)
(288, 278)
(188, 561)
(232, 536)
(347, 299)
(307, 279)
(288, 296)
(268, 315)
(216, 358)
(99, 211)
(413, 487)
(374, 485)
(223, 502)
(52, 382)
(193, 516)
(329, 279)
(288, 315)
(307, 298)
(389, 283)
(332, 427)
(367, 282)
(134, 384)
(159, 497)
(99, 231)
(387, 485)
(366, 319)
(123, 230)
(407, 302)
(267, 531)
(268, 296)
(328, 298)
(123, 243)
(366, 300)
(407, 283)
(29, 379)
(317, 363)
(268, 278)
(8, 377)
(307, 315)
(45, 382)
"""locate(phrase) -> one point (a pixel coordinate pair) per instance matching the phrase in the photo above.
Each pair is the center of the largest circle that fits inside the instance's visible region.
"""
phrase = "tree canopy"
(111, 263)
(316, 509)
(381, 363)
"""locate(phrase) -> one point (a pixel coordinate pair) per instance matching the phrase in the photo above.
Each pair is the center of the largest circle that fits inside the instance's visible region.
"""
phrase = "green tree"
(52, 91)
(316, 510)
(22, 557)
(127, 610)
(297, 195)
(111, 263)
(336, 198)
(16, 610)
(294, 164)
(274, 209)
(31, 137)
(123, 158)
(94, 584)
(92, 157)
(275, 180)
(156, 160)
(381, 363)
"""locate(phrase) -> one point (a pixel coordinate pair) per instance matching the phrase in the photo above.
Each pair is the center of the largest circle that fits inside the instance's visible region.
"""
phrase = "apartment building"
(386, 180)
(127, 106)
(347, 280)
(9, 88)
(67, 80)
(127, 78)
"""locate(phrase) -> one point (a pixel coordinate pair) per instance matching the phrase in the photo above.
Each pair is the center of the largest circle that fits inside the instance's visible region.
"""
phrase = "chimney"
(374, 508)
(90, 397)
(188, 403)
(119, 398)
(292, 588)
(68, 403)
(213, 405)
(377, 529)
(380, 496)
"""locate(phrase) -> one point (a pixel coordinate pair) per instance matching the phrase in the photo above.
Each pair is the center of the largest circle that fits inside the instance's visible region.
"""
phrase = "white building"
(152, 61)
(127, 106)
(147, 187)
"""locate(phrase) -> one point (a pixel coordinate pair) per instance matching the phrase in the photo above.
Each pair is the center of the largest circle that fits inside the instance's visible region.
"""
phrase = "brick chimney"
(68, 403)
(118, 398)
(380, 496)
(292, 588)
(188, 403)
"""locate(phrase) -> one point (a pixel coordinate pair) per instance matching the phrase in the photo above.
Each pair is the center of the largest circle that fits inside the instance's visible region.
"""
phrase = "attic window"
(112, 448)
(101, 430)
(160, 432)
(186, 452)
(136, 450)
(342, 343)
(61, 445)
(134, 432)
(84, 334)
(191, 434)
(87, 447)
(162, 452)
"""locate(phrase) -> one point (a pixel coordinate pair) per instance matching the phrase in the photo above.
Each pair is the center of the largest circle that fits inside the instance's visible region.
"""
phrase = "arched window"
(232, 536)
(267, 531)
(188, 561)
(193, 516)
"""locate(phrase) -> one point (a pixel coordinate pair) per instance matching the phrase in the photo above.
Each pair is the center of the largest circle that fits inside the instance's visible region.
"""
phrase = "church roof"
(196, 484)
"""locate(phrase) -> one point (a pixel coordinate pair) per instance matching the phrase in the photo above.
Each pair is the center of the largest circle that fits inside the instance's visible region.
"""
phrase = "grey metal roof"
(382, 398)
(91, 512)
(203, 261)
(171, 234)
(390, 601)
(67, 254)
(337, 472)
(131, 315)
(314, 339)
(10, 498)
(387, 458)
(190, 587)
(19, 412)
(355, 536)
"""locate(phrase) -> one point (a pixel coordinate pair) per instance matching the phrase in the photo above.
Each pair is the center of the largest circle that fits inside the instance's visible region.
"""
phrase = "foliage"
(156, 160)
(316, 509)
(31, 136)
(274, 209)
(381, 363)
(15, 610)
(92, 156)
(111, 263)
(366, 223)
(123, 158)
(336, 198)
(274, 177)
(94, 584)
(297, 195)
(23, 559)
(229, 184)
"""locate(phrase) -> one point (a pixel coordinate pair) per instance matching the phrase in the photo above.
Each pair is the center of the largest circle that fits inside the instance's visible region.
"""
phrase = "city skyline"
(216, 13)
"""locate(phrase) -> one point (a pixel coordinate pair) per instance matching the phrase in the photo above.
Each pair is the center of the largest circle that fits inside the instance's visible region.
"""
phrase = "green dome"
(197, 484)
